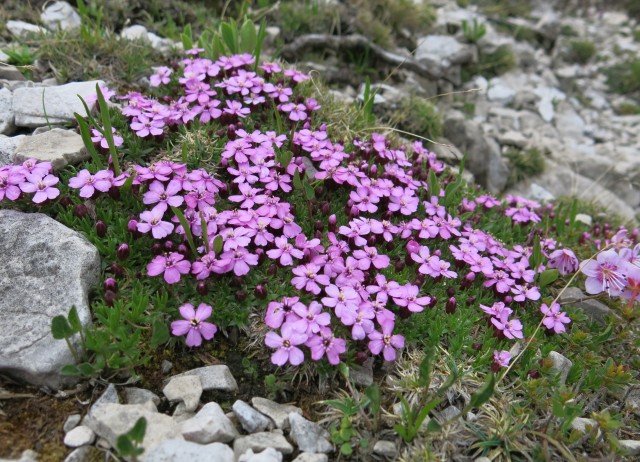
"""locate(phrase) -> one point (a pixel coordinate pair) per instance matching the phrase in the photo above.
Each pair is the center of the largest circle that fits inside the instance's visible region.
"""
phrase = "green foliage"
(418, 116)
(129, 444)
(624, 78)
(628, 109)
(524, 164)
(491, 64)
(502, 7)
(473, 33)
(582, 51)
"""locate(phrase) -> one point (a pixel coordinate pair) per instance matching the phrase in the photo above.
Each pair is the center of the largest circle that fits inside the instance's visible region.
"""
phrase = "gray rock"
(60, 102)
(310, 170)
(217, 377)
(80, 455)
(311, 457)
(209, 425)
(560, 364)
(584, 425)
(175, 449)
(26, 456)
(60, 147)
(250, 419)
(362, 375)
(60, 15)
(7, 127)
(11, 73)
(279, 413)
(111, 420)
(443, 48)
(484, 159)
(166, 366)
(632, 447)
(258, 442)
(268, 455)
(309, 436)
(23, 29)
(3, 57)
(35, 289)
(386, 449)
(596, 310)
(448, 414)
(500, 92)
(72, 422)
(134, 395)
(138, 32)
(187, 389)
(482, 459)
(584, 218)
(512, 138)
(79, 436)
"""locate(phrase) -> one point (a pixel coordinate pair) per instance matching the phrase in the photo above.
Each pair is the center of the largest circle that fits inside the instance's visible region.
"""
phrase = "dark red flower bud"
(168, 246)
(114, 193)
(241, 295)
(404, 312)
(433, 301)
(132, 226)
(110, 284)
(332, 223)
(319, 191)
(354, 212)
(477, 346)
(361, 357)
(451, 291)
(101, 228)
(184, 250)
(80, 211)
(109, 297)
(156, 248)
(260, 291)
(261, 255)
(437, 252)
(202, 288)
(238, 281)
(451, 305)
(508, 299)
(399, 266)
(117, 270)
(318, 235)
(325, 208)
(231, 132)
(533, 374)
(65, 201)
(272, 269)
(319, 225)
(471, 300)
(123, 251)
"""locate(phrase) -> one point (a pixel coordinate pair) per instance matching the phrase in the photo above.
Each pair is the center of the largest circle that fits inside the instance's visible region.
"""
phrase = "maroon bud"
(156, 248)
(495, 367)
(260, 291)
(110, 284)
(272, 269)
(471, 300)
(451, 291)
(372, 240)
(238, 281)
(533, 374)
(101, 228)
(80, 211)
(332, 223)
(117, 270)
(261, 255)
(123, 251)
(109, 297)
(508, 299)
(241, 295)
(451, 305)
(201, 288)
(433, 301)
(132, 226)
(468, 280)
(114, 193)
(354, 212)
(404, 312)
(437, 252)
(168, 246)
(325, 208)
(224, 163)
(319, 226)
(184, 250)
(318, 235)
(399, 266)
(419, 280)
(65, 201)
(477, 346)
(319, 191)
(361, 357)
(231, 132)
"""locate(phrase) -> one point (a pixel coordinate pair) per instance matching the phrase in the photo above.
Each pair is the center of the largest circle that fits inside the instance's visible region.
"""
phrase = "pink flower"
(284, 251)
(241, 260)
(606, 273)
(193, 324)
(9, 181)
(161, 76)
(287, 350)
(564, 260)
(308, 278)
(407, 295)
(172, 265)
(143, 126)
(41, 186)
(385, 342)
(311, 318)
(280, 312)
(554, 319)
(99, 138)
(163, 197)
(501, 358)
(152, 221)
(369, 256)
(88, 183)
(326, 343)
(511, 329)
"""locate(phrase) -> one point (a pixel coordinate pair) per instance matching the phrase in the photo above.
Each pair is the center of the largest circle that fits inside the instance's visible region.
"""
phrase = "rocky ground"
(545, 128)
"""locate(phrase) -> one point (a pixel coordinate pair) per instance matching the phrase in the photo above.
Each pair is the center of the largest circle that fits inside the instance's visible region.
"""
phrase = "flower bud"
(109, 298)
(117, 270)
(184, 250)
(468, 280)
(451, 291)
(354, 212)
(477, 346)
(471, 300)
(260, 291)
(399, 266)
(238, 281)
(101, 228)
(241, 295)
(65, 201)
(433, 301)
(404, 312)
(332, 223)
(325, 208)
(202, 288)
(533, 374)
(114, 193)
(110, 284)
(156, 248)
(132, 226)
(80, 211)
(412, 246)
(261, 255)
(272, 269)
(123, 251)
(508, 299)
(319, 225)
(361, 357)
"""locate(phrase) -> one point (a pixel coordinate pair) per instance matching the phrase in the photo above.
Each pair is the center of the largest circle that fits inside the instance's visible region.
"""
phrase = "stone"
(560, 364)
(26, 456)
(60, 15)
(310, 170)
(175, 449)
(569, 124)
(448, 413)
(251, 420)
(260, 441)
(309, 436)
(79, 436)
(279, 413)
(11, 73)
(362, 375)
(35, 289)
(3, 57)
(217, 377)
(72, 422)
(482, 459)
(540, 194)
(500, 92)
(512, 138)
(111, 420)
(209, 425)
(632, 447)
(60, 103)
(584, 218)
(166, 367)
(7, 127)
(386, 449)
(23, 29)
(187, 389)
(311, 457)
(58, 146)
(138, 32)
(268, 455)
(80, 455)
(443, 48)
(595, 309)
(584, 425)
(134, 395)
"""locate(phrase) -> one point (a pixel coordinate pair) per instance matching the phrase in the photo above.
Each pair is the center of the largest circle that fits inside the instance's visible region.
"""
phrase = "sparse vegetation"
(624, 78)
(491, 64)
(418, 116)
(524, 164)
(582, 51)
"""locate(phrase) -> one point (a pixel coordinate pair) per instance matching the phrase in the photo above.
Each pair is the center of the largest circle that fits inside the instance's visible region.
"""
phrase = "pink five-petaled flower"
(172, 265)
(564, 260)
(241, 260)
(144, 126)
(152, 221)
(284, 251)
(287, 350)
(511, 329)
(606, 273)
(194, 325)
(554, 319)
(42, 186)
(501, 358)
(407, 295)
(308, 278)
(163, 197)
(88, 183)
(326, 343)
(311, 318)
(385, 342)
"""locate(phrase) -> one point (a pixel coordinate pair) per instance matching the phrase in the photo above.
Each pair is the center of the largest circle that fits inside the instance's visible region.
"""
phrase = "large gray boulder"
(58, 146)
(45, 268)
(7, 126)
(38, 106)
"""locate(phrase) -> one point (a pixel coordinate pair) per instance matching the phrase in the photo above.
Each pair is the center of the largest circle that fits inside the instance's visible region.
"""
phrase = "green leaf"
(536, 254)
(205, 232)
(60, 328)
(86, 369)
(433, 426)
(604, 336)
(85, 133)
(187, 229)
(297, 182)
(248, 37)
(344, 370)
(279, 124)
(424, 371)
(74, 320)
(484, 394)
(573, 213)
(138, 430)
(373, 393)
(452, 188)
(187, 37)
(126, 186)
(160, 333)
(70, 370)
(346, 449)
(310, 193)
(217, 244)
(433, 188)
(262, 32)
(229, 33)
(548, 277)
(105, 116)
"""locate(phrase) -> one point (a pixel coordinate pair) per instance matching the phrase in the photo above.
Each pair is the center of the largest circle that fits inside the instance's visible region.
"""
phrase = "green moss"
(491, 64)
(418, 116)
(628, 109)
(582, 51)
(524, 164)
(625, 77)
(503, 7)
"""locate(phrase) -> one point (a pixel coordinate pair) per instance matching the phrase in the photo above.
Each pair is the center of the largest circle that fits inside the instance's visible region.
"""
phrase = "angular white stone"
(217, 377)
(279, 413)
(209, 425)
(23, 29)
(60, 15)
(187, 389)
(79, 436)
(179, 450)
(58, 146)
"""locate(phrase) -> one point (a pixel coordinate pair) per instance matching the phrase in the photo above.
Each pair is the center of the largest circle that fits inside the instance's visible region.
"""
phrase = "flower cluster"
(30, 177)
